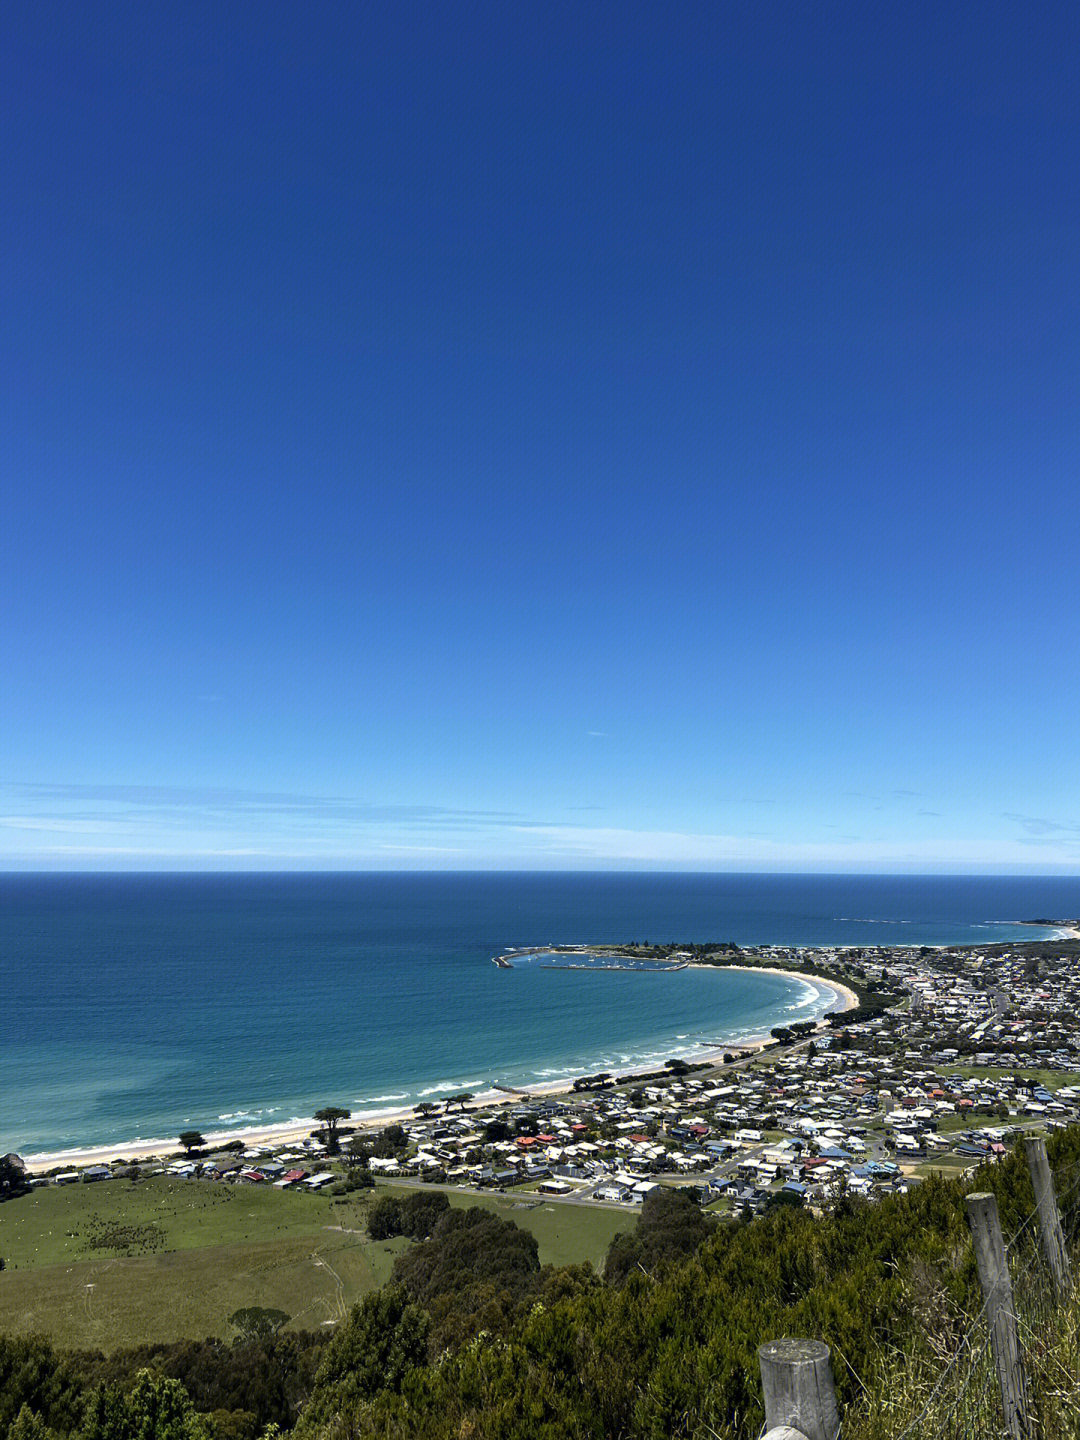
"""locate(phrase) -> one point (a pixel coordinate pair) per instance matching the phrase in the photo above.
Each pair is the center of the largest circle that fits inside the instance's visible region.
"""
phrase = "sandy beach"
(294, 1131)
(256, 1137)
(843, 992)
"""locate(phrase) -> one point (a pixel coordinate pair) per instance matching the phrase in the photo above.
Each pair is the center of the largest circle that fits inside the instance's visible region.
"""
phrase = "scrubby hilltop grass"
(672, 1351)
(115, 1263)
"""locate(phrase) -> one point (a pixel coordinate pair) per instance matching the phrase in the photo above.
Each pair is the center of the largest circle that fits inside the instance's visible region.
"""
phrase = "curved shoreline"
(850, 999)
(297, 1130)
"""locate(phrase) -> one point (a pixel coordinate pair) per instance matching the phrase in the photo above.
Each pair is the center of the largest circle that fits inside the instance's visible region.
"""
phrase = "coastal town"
(945, 1057)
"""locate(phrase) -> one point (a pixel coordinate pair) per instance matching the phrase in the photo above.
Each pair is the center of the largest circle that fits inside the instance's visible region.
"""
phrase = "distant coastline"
(1063, 929)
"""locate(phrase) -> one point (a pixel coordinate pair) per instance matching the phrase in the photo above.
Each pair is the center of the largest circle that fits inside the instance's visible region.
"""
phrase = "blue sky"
(565, 436)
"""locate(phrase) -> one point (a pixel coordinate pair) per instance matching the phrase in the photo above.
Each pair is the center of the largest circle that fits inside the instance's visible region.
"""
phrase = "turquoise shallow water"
(138, 1005)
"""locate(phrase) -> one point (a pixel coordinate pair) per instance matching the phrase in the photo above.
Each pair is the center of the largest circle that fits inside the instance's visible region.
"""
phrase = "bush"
(382, 1340)
(672, 1226)
(415, 1215)
(384, 1218)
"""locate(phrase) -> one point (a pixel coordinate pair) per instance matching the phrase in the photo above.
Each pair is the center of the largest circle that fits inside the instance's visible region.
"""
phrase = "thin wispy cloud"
(67, 804)
(425, 849)
(44, 823)
(691, 848)
(1039, 825)
(160, 824)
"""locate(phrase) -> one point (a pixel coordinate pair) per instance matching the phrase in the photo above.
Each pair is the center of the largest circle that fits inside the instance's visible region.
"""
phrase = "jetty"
(592, 957)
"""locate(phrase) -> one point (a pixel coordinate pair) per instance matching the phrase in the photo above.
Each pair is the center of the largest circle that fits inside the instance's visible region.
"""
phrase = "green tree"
(12, 1176)
(390, 1142)
(256, 1322)
(32, 1374)
(791, 1198)
(383, 1339)
(384, 1218)
(358, 1151)
(331, 1116)
(191, 1140)
(672, 1226)
(28, 1425)
(471, 1274)
(155, 1408)
(421, 1212)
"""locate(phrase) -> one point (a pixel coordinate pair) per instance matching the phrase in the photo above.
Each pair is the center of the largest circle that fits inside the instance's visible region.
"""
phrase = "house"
(220, 1166)
(613, 1193)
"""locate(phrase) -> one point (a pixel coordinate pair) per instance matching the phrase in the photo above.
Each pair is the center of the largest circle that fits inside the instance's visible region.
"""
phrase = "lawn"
(114, 1264)
(1053, 1080)
(947, 1124)
(104, 1304)
(567, 1233)
(947, 1165)
(61, 1222)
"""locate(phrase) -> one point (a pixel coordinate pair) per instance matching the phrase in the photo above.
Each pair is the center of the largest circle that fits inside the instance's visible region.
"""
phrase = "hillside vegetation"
(474, 1337)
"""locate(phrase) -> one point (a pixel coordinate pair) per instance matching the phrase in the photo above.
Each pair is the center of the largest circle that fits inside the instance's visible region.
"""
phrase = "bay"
(137, 1005)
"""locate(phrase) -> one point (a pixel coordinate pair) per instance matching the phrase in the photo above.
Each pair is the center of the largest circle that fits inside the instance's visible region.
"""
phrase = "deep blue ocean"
(134, 1006)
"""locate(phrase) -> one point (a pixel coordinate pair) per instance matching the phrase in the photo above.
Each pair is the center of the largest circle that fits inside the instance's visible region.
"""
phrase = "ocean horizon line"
(32, 868)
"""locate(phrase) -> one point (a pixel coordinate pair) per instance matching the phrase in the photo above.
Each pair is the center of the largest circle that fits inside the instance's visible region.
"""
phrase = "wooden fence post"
(982, 1214)
(797, 1384)
(1050, 1237)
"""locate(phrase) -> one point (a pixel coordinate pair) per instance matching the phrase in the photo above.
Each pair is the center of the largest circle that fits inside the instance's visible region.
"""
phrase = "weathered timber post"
(797, 1383)
(1051, 1239)
(982, 1214)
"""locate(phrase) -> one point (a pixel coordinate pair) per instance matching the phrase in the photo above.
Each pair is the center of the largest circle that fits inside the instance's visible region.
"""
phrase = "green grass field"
(1053, 1080)
(115, 1264)
(947, 1165)
(948, 1124)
